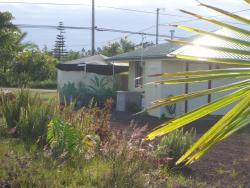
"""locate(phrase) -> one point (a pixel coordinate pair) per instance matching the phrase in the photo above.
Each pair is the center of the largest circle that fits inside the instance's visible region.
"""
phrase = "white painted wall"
(200, 101)
(174, 89)
(219, 83)
(65, 77)
(152, 92)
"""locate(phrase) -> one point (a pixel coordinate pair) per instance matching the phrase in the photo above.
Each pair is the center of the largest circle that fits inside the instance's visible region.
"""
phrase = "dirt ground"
(226, 165)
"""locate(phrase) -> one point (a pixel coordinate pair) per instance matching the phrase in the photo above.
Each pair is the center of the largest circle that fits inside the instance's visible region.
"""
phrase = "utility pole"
(93, 29)
(172, 34)
(157, 25)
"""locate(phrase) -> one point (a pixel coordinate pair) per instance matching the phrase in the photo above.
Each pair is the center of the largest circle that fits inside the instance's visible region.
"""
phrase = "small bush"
(62, 137)
(11, 108)
(46, 84)
(33, 121)
(27, 116)
(175, 144)
(3, 79)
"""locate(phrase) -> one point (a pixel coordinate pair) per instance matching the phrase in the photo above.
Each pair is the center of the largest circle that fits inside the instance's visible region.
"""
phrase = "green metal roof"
(193, 50)
(152, 52)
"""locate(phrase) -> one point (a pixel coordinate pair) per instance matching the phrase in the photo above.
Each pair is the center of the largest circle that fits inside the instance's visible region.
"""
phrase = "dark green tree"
(10, 39)
(59, 50)
(71, 55)
(115, 48)
(126, 45)
(112, 49)
(35, 66)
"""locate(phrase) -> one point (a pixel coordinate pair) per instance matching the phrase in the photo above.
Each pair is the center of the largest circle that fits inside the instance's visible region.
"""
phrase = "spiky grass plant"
(239, 116)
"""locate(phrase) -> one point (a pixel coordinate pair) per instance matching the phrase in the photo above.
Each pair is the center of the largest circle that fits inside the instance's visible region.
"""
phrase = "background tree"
(59, 50)
(32, 66)
(126, 45)
(112, 49)
(10, 37)
(115, 48)
(72, 55)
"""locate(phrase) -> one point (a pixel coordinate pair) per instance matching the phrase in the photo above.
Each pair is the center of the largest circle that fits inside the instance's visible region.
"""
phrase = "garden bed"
(226, 165)
(104, 157)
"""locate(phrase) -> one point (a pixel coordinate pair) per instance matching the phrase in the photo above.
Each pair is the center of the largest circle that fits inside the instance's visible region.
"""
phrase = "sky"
(111, 18)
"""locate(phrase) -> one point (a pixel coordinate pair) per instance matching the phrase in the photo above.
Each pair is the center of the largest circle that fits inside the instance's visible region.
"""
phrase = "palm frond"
(229, 61)
(205, 72)
(218, 131)
(215, 35)
(215, 48)
(184, 97)
(197, 79)
(239, 116)
(219, 23)
(230, 14)
(198, 113)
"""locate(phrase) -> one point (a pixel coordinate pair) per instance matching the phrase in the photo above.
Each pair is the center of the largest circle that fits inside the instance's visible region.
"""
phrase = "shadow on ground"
(226, 165)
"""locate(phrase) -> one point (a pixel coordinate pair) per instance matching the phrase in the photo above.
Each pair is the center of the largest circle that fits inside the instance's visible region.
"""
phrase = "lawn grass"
(46, 96)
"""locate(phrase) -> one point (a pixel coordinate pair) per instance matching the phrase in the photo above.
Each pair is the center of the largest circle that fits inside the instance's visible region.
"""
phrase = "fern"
(62, 137)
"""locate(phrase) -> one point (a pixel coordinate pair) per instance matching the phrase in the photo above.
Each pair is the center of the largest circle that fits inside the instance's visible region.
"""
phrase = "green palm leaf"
(201, 79)
(219, 23)
(215, 35)
(215, 48)
(228, 61)
(179, 98)
(206, 72)
(239, 116)
(198, 113)
(231, 15)
(217, 131)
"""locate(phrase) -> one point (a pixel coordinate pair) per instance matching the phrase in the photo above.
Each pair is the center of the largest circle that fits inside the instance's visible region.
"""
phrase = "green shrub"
(45, 84)
(175, 144)
(62, 137)
(3, 79)
(11, 108)
(27, 116)
(34, 120)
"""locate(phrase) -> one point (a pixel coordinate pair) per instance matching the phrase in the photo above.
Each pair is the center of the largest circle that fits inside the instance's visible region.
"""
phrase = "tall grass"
(175, 144)
(27, 116)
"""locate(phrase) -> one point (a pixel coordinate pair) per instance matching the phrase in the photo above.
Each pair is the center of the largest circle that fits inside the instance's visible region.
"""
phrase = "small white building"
(161, 59)
(82, 72)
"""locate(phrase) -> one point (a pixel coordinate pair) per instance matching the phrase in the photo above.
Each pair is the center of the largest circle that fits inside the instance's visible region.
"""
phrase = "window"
(138, 74)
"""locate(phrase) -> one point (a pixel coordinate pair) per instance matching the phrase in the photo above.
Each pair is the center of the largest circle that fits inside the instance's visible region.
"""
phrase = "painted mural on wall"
(81, 93)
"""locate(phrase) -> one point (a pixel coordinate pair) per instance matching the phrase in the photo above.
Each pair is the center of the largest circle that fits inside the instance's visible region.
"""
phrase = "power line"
(100, 6)
(89, 28)
(127, 35)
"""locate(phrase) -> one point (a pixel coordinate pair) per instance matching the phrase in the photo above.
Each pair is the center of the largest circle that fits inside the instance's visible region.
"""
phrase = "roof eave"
(139, 58)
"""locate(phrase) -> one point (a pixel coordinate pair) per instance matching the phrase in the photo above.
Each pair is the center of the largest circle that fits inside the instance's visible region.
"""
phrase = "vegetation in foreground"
(48, 146)
(239, 116)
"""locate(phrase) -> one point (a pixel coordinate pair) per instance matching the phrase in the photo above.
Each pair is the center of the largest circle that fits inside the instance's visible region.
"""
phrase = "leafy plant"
(11, 107)
(62, 137)
(175, 144)
(239, 116)
(32, 125)
(27, 116)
